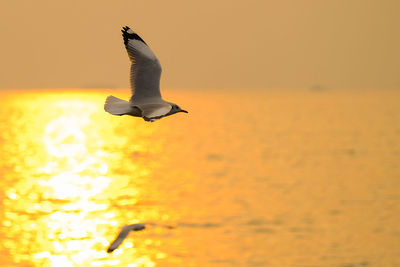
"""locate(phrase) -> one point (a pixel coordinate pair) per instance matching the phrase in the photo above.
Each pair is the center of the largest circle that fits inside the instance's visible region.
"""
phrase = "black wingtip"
(128, 33)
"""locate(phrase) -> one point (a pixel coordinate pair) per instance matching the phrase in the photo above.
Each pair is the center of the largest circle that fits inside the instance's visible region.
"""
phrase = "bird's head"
(175, 109)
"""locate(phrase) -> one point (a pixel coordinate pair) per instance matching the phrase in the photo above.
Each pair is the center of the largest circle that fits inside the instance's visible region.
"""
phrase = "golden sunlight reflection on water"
(287, 179)
(58, 211)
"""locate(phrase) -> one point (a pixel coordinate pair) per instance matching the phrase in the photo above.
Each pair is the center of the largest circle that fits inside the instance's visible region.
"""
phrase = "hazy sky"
(209, 43)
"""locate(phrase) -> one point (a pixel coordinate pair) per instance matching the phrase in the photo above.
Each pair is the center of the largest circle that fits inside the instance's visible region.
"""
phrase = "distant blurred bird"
(125, 232)
(146, 100)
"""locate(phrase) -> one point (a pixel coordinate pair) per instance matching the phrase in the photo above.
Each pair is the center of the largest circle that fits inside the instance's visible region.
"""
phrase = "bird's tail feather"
(117, 106)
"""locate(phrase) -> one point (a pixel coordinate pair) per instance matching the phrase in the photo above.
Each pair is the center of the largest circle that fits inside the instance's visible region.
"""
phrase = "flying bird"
(125, 232)
(146, 100)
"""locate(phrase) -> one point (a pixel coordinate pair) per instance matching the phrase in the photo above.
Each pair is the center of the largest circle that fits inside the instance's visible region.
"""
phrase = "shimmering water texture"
(301, 178)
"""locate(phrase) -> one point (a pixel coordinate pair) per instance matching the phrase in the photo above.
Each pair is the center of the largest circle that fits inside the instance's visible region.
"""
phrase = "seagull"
(126, 230)
(123, 234)
(146, 100)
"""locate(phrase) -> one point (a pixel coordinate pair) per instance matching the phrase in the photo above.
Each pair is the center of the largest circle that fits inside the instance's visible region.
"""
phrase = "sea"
(306, 178)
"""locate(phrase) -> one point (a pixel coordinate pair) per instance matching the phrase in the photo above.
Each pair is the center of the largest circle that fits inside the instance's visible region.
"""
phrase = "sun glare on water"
(289, 179)
(61, 204)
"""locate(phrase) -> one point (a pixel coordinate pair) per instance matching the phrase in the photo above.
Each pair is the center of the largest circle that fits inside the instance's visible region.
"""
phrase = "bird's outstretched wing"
(145, 68)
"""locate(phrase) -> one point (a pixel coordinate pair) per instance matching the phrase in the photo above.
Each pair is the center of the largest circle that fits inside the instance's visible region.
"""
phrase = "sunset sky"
(203, 44)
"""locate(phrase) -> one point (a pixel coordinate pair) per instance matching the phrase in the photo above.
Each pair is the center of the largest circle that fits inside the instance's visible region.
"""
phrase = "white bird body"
(146, 100)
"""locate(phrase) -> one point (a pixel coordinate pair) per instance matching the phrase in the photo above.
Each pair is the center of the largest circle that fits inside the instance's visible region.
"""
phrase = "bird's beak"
(184, 111)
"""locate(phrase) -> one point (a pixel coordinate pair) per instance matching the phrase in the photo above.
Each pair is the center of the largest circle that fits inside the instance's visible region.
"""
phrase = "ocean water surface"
(247, 178)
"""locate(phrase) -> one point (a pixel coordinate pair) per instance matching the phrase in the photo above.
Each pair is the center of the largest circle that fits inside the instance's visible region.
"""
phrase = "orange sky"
(210, 43)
